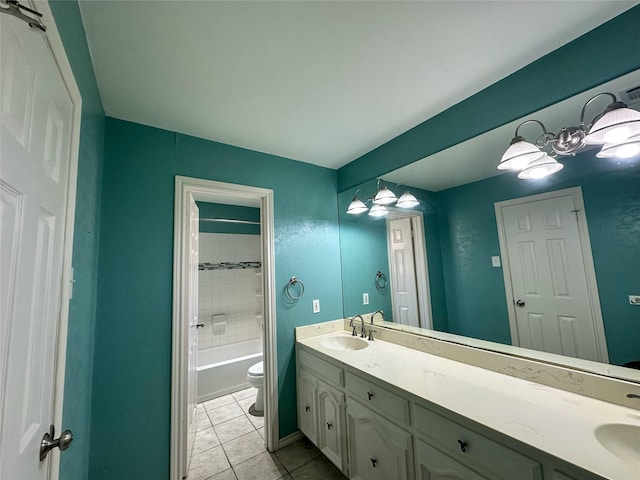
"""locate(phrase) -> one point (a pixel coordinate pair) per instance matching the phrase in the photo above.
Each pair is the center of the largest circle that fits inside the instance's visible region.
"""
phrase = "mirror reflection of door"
(547, 260)
(407, 266)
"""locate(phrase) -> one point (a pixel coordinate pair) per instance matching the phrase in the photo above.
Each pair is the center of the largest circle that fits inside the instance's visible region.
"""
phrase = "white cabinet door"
(331, 425)
(307, 394)
(378, 450)
(431, 464)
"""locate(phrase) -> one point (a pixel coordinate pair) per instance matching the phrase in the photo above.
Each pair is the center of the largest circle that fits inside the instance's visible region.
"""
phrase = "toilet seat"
(256, 370)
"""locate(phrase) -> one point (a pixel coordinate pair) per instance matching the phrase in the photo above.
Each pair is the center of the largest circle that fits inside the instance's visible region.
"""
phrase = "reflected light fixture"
(617, 128)
(383, 197)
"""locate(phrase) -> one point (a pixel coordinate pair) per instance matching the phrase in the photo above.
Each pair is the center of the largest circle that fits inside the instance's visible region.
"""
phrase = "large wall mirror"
(468, 289)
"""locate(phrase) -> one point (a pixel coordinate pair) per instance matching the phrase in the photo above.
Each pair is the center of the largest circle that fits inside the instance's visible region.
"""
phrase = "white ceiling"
(319, 82)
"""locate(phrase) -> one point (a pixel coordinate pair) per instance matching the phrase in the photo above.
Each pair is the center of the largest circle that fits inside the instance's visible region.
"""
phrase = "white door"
(545, 256)
(35, 173)
(192, 401)
(403, 272)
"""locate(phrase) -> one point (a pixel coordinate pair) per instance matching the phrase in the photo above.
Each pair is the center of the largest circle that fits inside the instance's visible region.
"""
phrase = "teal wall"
(229, 212)
(82, 308)
(476, 301)
(132, 372)
(363, 243)
(600, 55)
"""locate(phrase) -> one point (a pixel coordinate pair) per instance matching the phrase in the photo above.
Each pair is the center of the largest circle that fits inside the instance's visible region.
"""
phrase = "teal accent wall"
(363, 243)
(229, 212)
(132, 368)
(476, 300)
(598, 56)
(82, 309)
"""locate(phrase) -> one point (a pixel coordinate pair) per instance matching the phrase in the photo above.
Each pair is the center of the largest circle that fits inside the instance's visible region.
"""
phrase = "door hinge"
(576, 212)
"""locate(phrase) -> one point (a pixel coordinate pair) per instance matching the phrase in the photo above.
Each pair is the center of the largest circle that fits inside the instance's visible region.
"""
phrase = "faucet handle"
(371, 332)
(354, 334)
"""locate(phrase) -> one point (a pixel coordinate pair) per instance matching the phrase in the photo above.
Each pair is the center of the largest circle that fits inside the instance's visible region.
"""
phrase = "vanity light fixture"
(407, 200)
(617, 128)
(383, 197)
(378, 211)
(627, 149)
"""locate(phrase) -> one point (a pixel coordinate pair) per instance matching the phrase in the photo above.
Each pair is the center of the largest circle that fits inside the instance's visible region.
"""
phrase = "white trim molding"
(587, 258)
(232, 194)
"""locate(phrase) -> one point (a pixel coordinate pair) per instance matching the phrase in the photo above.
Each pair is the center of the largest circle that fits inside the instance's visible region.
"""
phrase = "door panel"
(36, 118)
(192, 402)
(553, 308)
(403, 272)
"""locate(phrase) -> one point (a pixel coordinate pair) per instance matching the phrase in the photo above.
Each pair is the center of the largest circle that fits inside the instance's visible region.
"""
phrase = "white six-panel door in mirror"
(548, 277)
(36, 136)
(403, 272)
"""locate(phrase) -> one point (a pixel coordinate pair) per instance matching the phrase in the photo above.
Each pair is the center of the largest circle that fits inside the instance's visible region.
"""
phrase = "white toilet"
(255, 377)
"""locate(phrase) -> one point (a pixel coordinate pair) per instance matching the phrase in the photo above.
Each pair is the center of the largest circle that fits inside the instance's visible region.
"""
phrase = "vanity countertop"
(554, 421)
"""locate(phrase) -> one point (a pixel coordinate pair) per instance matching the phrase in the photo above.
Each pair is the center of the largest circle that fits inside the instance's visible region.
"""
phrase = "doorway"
(187, 192)
(549, 276)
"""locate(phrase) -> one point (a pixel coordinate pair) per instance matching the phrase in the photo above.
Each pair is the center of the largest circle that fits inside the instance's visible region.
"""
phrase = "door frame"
(210, 190)
(587, 259)
(52, 37)
(420, 261)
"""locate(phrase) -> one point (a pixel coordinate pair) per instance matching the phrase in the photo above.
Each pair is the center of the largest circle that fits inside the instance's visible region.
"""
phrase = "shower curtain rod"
(228, 220)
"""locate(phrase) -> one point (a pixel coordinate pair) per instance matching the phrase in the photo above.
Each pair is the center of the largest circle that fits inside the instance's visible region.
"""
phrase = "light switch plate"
(365, 299)
(634, 300)
(495, 261)
(316, 306)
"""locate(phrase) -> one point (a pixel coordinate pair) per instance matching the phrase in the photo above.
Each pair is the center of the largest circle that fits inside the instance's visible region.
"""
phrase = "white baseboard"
(289, 439)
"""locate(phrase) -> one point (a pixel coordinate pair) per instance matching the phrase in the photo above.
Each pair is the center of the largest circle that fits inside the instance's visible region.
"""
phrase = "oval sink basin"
(620, 439)
(344, 343)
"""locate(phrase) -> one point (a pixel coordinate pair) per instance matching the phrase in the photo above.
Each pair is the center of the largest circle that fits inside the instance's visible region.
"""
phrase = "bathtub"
(223, 370)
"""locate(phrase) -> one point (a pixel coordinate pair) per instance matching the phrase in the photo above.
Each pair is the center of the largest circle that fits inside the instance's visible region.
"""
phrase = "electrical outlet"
(634, 300)
(316, 306)
(365, 299)
(495, 261)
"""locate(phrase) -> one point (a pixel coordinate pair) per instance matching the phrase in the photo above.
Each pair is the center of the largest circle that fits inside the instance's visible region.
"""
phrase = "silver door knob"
(48, 443)
(520, 303)
(199, 324)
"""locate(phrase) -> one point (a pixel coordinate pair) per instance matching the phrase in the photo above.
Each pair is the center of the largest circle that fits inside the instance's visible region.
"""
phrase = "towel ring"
(381, 280)
(292, 283)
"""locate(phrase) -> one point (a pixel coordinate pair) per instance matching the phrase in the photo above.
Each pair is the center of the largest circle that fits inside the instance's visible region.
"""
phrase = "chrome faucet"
(351, 323)
(376, 312)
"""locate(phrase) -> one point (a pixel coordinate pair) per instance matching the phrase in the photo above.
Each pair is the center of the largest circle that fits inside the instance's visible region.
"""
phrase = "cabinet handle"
(373, 462)
(463, 445)
(329, 426)
(370, 395)
(306, 408)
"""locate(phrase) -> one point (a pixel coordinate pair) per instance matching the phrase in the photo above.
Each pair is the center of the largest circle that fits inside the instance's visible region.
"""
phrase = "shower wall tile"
(236, 294)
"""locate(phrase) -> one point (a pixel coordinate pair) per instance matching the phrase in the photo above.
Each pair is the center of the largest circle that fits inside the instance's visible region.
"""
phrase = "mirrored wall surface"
(469, 297)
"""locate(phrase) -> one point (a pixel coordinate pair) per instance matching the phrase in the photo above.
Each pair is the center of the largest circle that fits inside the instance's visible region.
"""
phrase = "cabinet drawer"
(474, 450)
(329, 372)
(374, 396)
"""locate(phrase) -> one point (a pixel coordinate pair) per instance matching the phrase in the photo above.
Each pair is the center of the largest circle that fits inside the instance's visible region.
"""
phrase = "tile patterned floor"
(229, 445)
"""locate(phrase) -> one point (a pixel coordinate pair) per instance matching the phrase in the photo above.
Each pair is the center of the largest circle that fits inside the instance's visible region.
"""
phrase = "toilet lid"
(256, 369)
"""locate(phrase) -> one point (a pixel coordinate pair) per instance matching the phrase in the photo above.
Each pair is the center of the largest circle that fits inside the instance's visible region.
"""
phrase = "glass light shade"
(384, 197)
(540, 168)
(627, 149)
(356, 206)
(378, 211)
(407, 200)
(614, 127)
(519, 155)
